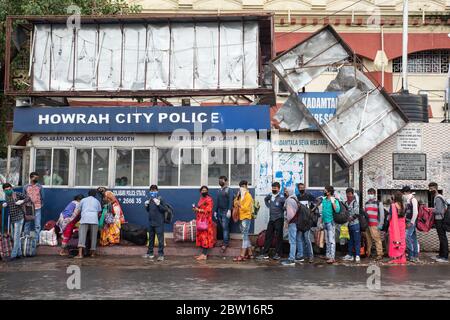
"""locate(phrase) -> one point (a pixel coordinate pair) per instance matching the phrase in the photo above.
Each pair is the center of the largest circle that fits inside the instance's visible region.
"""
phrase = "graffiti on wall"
(289, 168)
(263, 167)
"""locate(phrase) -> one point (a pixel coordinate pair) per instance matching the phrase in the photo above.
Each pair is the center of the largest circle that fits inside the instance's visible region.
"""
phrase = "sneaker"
(276, 257)
(348, 258)
(357, 259)
(288, 263)
(262, 257)
(148, 256)
(442, 260)
(160, 258)
(299, 260)
(436, 257)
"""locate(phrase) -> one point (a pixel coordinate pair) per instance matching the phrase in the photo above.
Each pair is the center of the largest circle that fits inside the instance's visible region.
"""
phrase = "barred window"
(432, 61)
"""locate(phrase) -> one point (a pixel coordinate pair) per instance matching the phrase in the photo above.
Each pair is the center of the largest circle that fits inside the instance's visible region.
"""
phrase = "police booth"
(126, 149)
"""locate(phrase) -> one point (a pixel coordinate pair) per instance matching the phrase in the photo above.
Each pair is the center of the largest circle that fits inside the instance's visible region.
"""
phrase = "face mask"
(242, 189)
(9, 192)
(274, 191)
(153, 194)
(371, 196)
(35, 180)
(433, 191)
(302, 191)
(325, 194)
(204, 194)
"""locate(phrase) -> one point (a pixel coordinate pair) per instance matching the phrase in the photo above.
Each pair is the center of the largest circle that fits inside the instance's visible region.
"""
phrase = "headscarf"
(110, 197)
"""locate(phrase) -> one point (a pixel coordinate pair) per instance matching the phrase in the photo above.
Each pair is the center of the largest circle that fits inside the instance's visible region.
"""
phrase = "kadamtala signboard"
(139, 119)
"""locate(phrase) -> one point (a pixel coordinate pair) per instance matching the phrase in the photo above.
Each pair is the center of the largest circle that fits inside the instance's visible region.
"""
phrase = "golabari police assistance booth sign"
(409, 166)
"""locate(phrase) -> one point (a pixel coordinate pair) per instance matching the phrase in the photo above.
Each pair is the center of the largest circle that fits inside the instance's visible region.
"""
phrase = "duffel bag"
(262, 239)
(134, 233)
(28, 246)
(184, 231)
(48, 238)
(5, 239)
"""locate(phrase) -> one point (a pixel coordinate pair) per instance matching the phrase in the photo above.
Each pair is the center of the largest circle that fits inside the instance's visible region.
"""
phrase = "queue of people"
(295, 208)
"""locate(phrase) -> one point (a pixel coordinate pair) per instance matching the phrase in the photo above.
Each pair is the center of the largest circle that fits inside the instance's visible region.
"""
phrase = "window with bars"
(432, 61)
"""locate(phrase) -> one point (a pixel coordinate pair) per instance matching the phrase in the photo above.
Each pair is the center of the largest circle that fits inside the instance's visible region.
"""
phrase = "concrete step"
(171, 249)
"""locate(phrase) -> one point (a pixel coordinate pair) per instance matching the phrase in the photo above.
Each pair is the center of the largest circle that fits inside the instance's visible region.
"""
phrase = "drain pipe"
(405, 47)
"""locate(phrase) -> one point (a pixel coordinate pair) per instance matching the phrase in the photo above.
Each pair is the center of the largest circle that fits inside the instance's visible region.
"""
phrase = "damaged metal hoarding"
(365, 115)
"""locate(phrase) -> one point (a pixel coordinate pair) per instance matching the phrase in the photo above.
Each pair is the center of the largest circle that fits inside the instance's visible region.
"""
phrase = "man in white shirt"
(412, 211)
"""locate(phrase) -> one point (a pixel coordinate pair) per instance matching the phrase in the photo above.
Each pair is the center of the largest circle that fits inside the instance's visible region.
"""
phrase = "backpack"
(446, 218)
(304, 218)
(425, 218)
(342, 216)
(363, 220)
(168, 214)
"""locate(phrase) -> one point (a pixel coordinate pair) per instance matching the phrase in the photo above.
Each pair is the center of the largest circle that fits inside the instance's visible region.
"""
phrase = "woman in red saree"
(110, 234)
(397, 231)
(205, 227)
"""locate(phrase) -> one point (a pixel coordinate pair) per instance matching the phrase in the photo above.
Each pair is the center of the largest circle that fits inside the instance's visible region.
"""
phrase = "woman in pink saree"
(397, 231)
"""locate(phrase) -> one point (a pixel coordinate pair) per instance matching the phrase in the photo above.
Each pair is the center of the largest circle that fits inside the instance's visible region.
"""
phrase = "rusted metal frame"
(8, 30)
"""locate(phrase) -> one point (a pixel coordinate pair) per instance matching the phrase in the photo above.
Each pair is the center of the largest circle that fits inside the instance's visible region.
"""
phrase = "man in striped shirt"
(375, 213)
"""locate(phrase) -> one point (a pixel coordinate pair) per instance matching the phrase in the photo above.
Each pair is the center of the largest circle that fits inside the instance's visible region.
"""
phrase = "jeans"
(304, 244)
(17, 244)
(245, 230)
(411, 242)
(274, 227)
(355, 240)
(36, 223)
(443, 241)
(330, 236)
(82, 235)
(293, 244)
(159, 232)
(225, 223)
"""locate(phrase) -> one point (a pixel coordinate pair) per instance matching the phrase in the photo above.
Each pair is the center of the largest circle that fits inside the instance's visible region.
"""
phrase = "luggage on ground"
(28, 246)
(134, 233)
(425, 218)
(184, 231)
(5, 239)
(48, 238)
(262, 239)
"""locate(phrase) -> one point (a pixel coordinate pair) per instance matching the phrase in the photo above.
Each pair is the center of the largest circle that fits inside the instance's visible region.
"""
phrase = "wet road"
(183, 278)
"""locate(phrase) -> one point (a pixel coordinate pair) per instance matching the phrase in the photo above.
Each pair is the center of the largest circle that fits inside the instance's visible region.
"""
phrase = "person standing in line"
(412, 211)
(354, 245)
(14, 201)
(35, 191)
(330, 206)
(222, 210)
(439, 209)
(244, 202)
(291, 207)
(90, 209)
(397, 231)
(205, 228)
(275, 203)
(375, 214)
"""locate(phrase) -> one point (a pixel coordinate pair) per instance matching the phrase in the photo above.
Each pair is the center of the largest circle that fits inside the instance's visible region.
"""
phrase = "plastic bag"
(344, 232)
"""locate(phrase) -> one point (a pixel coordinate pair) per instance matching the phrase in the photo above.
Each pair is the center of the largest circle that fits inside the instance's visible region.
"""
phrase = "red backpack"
(425, 218)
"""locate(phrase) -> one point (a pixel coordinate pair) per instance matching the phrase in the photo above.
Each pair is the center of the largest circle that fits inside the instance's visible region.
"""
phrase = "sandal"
(250, 257)
(239, 258)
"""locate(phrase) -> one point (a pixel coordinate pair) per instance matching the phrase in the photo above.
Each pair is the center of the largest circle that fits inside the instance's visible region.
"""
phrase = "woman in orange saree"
(110, 234)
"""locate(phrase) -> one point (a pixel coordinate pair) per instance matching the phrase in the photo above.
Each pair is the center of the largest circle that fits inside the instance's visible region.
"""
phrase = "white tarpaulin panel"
(110, 57)
(182, 58)
(206, 63)
(158, 46)
(231, 55)
(134, 57)
(41, 66)
(86, 49)
(365, 115)
(157, 56)
(62, 55)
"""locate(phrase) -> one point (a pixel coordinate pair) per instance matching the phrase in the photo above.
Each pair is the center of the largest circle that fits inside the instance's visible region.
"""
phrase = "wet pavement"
(217, 278)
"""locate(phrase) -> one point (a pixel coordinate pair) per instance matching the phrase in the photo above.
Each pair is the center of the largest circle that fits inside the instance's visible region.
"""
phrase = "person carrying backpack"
(330, 207)
(375, 213)
(35, 191)
(353, 227)
(439, 209)
(156, 208)
(412, 211)
(291, 206)
(14, 201)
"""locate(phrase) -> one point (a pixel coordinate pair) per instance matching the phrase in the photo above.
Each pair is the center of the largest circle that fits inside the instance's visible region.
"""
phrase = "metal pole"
(405, 46)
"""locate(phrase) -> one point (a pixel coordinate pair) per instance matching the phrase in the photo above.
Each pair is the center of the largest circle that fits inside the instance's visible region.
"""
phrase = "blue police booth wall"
(56, 199)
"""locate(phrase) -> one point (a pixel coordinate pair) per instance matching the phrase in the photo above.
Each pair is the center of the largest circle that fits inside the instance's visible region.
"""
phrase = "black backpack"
(305, 219)
(446, 218)
(343, 215)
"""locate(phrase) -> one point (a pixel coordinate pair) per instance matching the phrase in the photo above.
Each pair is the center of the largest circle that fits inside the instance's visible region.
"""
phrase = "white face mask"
(242, 190)
(371, 196)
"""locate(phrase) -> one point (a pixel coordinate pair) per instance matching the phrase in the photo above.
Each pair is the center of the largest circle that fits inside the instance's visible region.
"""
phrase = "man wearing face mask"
(305, 197)
(155, 206)
(35, 191)
(375, 214)
(222, 209)
(14, 202)
(275, 203)
(412, 211)
(439, 208)
(330, 206)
